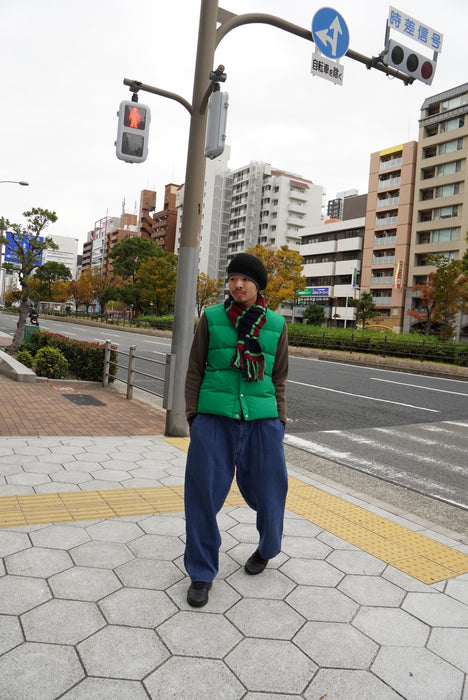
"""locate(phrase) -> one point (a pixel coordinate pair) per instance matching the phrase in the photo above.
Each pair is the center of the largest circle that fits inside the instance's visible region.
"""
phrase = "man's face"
(242, 290)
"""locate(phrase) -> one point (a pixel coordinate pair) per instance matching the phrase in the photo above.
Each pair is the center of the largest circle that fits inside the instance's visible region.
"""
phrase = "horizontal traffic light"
(408, 61)
(133, 131)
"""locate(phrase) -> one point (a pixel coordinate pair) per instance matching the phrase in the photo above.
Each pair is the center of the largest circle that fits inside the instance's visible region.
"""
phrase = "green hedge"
(86, 360)
(405, 345)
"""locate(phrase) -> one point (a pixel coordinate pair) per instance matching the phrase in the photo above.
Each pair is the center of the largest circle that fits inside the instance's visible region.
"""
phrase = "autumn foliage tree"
(208, 291)
(443, 295)
(284, 268)
(156, 278)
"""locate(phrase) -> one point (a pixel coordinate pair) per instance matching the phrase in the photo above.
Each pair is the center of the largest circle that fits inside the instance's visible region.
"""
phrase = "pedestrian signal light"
(132, 133)
(408, 61)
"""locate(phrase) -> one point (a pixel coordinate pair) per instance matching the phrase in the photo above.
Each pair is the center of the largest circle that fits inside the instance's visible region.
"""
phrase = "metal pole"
(184, 312)
(131, 370)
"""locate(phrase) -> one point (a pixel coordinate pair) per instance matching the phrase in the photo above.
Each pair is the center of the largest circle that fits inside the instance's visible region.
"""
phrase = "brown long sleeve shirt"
(197, 364)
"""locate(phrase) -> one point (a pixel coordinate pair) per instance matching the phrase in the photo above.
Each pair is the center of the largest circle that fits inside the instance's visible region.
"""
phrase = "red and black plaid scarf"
(248, 356)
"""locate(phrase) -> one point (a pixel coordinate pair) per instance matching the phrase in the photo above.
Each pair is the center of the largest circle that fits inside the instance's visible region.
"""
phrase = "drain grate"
(83, 400)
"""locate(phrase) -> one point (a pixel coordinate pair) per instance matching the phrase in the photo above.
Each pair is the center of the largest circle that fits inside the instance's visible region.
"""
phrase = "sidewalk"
(360, 604)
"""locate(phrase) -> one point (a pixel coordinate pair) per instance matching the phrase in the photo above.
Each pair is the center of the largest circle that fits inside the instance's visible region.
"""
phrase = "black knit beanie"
(249, 266)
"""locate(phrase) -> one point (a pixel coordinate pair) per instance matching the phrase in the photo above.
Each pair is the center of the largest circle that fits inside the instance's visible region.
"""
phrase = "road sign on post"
(330, 33)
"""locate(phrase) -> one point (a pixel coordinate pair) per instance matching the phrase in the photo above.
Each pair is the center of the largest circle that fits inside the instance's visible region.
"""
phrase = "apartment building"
(332, 254)
(440, 216)
(389, 215)
(271, 207)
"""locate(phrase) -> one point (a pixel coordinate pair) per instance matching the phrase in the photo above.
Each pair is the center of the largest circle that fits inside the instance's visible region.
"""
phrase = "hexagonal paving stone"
(105, 688)
(30, 479)
(11, 542)
(84, 583)
(271, 666)
(164, 525)
(157, 547)
(299, 527)
(392, 627)
(418, 673)
(312, 572)
(137, 607)
(317, 603)
(39, 670)
(271, 619)
(192, 679)
(371, 590)
(303, 548)
(122, 652)
(437, 610)
(451, 644)
(356, 562)
(59, 536)
(10, 633)
(245, 532)
(148, 573)
(114, 531)
(39, 561)
(187, 633)
(333, 684)
(62, 622)
(104, 555)
(336, 644)
(271, 584)
(110, 475)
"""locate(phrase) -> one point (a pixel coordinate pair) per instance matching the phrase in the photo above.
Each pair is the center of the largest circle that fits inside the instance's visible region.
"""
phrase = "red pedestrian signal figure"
(132, 134)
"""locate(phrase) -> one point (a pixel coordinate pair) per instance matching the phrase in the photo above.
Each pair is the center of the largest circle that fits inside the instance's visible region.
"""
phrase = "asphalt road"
(406, 430)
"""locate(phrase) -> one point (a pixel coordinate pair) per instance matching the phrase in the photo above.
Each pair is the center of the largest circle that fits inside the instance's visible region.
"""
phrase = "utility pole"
(208, 39)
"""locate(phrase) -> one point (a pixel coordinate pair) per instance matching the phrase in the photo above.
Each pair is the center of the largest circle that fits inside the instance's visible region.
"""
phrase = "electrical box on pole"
(133, 131)
(216, 124)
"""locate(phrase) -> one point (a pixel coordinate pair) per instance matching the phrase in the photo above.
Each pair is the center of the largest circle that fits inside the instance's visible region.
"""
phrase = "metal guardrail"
(167, 381)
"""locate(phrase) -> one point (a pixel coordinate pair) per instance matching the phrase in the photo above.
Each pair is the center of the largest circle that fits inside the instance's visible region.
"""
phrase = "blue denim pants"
(220, 447)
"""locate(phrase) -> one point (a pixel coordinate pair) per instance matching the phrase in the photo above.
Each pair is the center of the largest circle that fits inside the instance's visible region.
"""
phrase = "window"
(447, 190)
(451, 146)
(446, 212)
(444, 234)
(449, 168)
(452, 103)
(452, 124)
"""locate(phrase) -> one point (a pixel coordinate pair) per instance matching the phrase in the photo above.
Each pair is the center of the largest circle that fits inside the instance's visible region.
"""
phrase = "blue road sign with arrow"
(330, 33)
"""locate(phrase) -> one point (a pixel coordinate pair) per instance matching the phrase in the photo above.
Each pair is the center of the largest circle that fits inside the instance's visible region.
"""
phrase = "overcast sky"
(63, 63)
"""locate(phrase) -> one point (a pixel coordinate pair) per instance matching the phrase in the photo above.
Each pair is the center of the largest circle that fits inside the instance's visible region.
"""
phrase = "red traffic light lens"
(135, 117)
(426, 70)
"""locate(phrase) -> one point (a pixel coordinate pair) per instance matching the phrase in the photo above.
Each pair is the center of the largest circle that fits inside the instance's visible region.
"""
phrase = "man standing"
(236, 409)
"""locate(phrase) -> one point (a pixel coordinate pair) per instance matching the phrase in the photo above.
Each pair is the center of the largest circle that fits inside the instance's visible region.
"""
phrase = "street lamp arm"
(232, 21)
(162, 93)
(15, 182)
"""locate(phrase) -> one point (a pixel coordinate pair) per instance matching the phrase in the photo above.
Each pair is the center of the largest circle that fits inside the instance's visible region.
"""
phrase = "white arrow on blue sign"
(330, 33)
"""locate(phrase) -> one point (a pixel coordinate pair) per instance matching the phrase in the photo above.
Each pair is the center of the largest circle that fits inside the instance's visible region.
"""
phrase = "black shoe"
(197, 594)
(255, 564)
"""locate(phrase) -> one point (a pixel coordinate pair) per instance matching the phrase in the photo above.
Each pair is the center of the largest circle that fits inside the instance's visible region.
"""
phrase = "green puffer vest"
(224, 391)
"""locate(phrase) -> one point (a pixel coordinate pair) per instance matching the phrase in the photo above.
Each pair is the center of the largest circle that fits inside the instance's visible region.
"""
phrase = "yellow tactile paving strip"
(415, 554)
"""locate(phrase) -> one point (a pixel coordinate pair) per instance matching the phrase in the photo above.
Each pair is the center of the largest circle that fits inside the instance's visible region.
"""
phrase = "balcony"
(388, 202)
(382, 301)
(392, 163)
(386, 240)
(382, 280)
(389, 182)
(388, 221)
(384, 260)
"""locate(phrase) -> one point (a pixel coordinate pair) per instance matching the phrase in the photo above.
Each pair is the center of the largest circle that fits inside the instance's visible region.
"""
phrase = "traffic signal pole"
(187, 270)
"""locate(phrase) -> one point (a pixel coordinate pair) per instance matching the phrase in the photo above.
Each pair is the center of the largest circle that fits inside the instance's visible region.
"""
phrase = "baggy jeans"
(219, 447)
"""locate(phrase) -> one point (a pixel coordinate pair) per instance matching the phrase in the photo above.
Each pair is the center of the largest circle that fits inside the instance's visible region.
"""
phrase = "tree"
(208, 291)
(49, 273)
(314, 314)
(82, 290)
(60, 291)
(27, 244)
(127, 255)
(284, 268)
(104, 286)
(444, 294)
(365, 308)
(156, 279)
